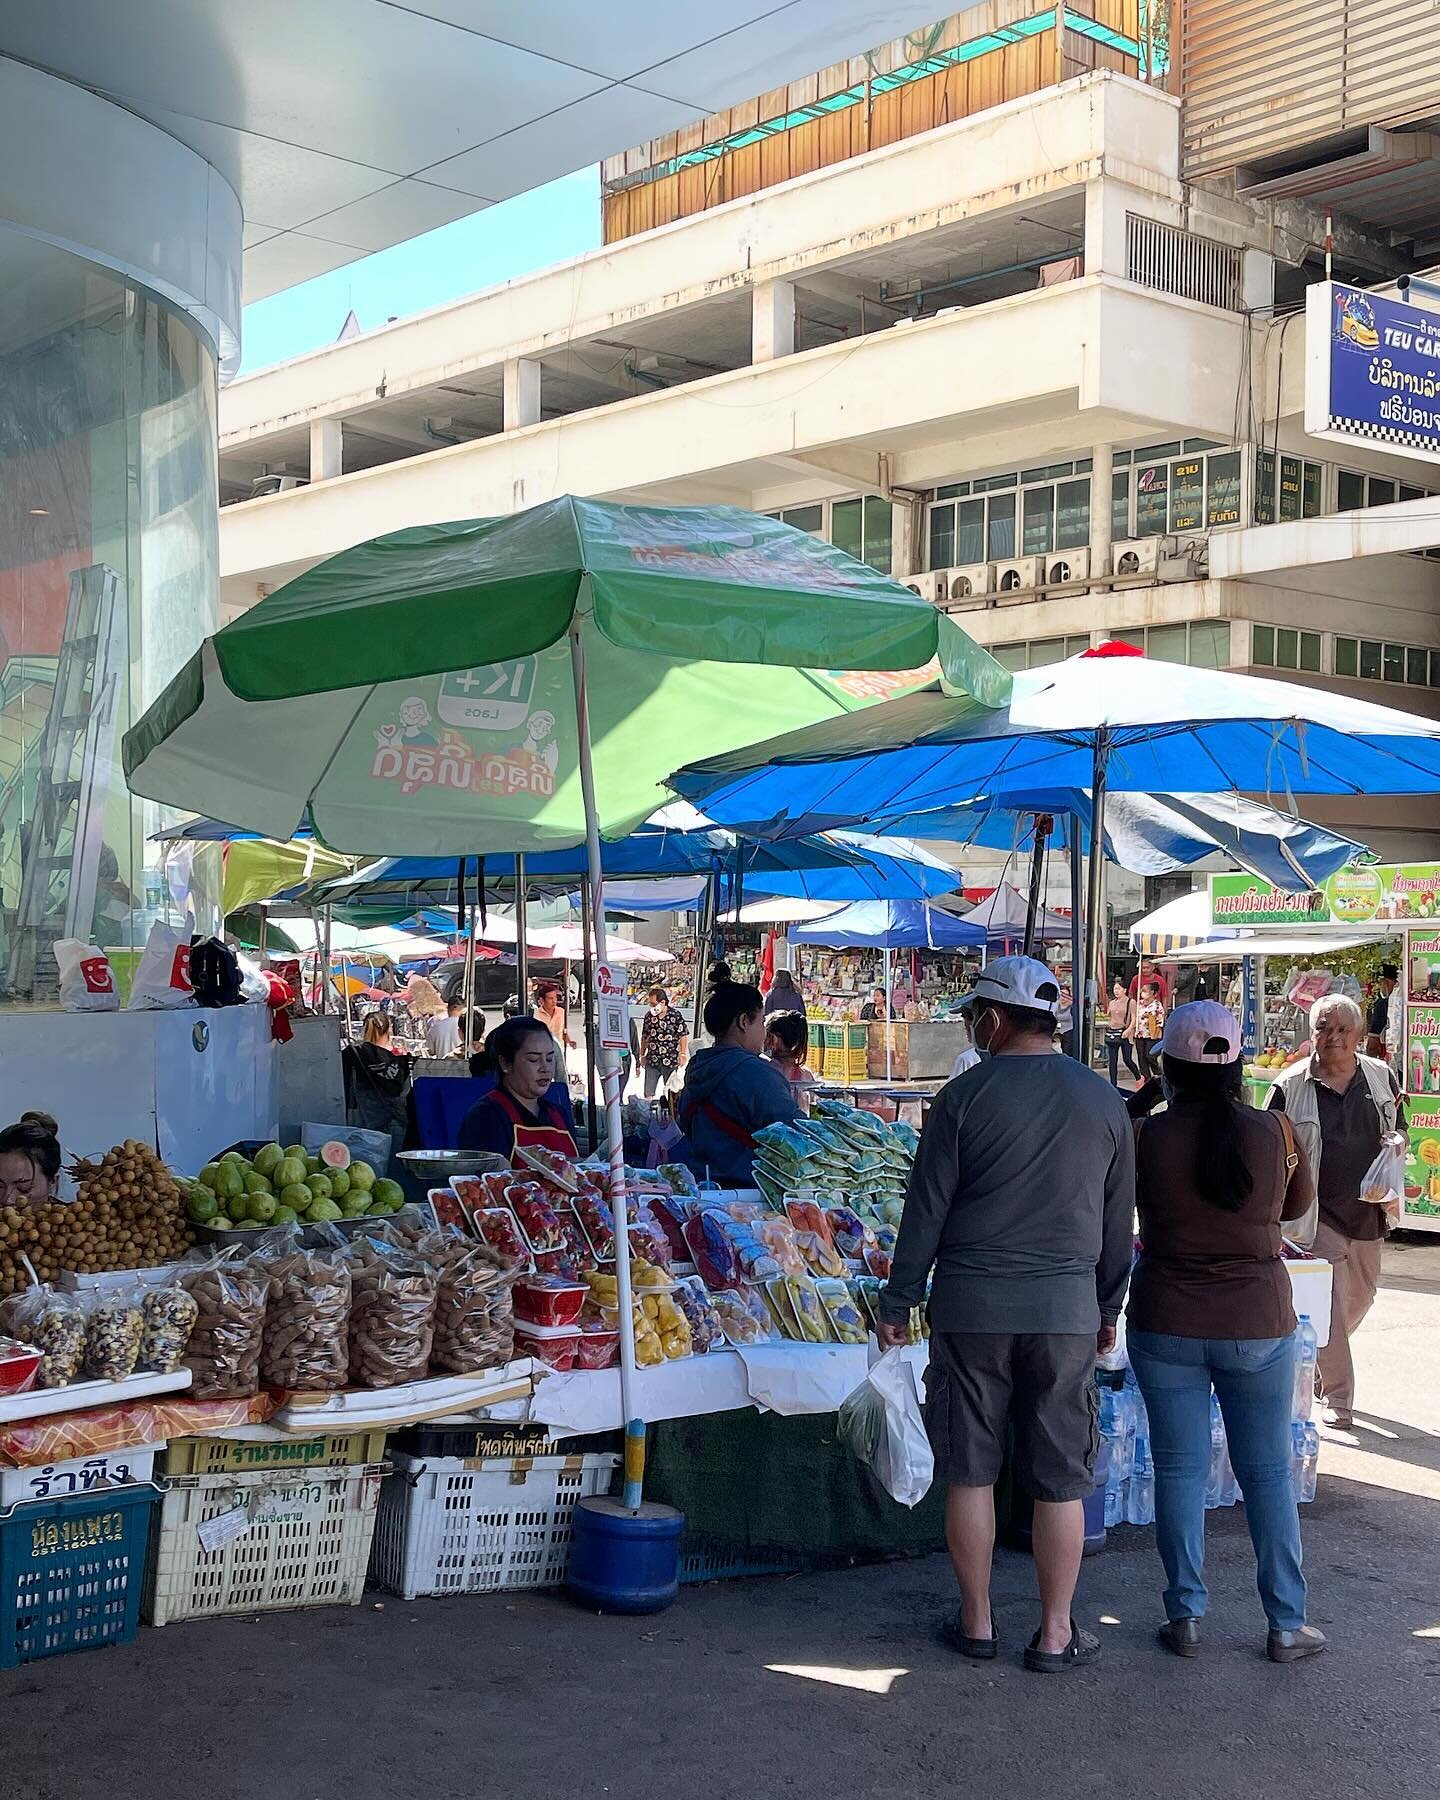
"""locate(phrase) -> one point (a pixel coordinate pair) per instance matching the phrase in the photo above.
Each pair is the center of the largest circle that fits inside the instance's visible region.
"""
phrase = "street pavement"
(813, 1687)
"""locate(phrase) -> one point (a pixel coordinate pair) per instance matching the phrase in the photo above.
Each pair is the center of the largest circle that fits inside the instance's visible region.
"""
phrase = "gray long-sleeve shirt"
(1022, 1200)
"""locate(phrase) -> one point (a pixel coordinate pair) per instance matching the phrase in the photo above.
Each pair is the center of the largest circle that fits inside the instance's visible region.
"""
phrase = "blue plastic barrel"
(623, 1561)
(1022, 1510)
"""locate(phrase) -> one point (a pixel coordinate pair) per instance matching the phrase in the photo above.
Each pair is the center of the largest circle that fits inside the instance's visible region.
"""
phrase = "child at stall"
(787, 1042)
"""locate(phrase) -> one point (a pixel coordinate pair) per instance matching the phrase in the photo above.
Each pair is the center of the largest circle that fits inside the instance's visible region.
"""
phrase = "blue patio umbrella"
(1108, 720)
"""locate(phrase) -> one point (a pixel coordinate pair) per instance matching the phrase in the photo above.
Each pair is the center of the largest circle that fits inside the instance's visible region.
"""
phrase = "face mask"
(989, 1034)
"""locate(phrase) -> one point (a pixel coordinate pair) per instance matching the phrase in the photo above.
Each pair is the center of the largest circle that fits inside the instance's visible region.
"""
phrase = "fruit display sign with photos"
(1388, 893)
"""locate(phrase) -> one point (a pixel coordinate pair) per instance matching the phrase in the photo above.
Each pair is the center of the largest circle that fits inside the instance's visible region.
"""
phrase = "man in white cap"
(1022, 1202)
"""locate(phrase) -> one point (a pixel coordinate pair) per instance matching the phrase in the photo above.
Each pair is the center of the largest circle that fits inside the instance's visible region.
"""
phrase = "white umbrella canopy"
(567, 944)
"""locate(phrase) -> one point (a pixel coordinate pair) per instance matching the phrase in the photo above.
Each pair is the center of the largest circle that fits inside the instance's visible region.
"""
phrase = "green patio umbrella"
(528, 682)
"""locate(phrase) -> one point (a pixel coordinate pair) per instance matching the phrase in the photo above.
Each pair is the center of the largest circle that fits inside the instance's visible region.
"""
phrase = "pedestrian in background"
(1210, 1304)
(1119, 1017)
(784, 996)
(1147, 1027)
(664, 1042)
(1340, 1104)
(1021, 1201)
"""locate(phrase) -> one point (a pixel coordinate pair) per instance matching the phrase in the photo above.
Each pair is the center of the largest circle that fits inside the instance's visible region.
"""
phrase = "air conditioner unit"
(1136, 556)
(1062, 566)
(1184, 559)
(969, 581)
(1019, 573)
(929, 585)
(264, 485)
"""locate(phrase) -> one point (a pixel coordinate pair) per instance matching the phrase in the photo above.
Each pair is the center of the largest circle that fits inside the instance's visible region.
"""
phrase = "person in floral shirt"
(664, 1042)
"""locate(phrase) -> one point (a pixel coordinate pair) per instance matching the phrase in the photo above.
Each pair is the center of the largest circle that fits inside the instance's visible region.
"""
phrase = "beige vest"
(1303, 1111)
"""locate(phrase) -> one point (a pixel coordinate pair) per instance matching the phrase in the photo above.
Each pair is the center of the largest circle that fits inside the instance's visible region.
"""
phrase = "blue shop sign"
(1372, 369)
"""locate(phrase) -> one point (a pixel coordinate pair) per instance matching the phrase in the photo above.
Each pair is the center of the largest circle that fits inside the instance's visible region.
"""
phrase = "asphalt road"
(814, 1687)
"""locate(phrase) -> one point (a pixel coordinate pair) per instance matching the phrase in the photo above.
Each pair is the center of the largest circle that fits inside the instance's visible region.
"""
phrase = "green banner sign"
(1397, 894)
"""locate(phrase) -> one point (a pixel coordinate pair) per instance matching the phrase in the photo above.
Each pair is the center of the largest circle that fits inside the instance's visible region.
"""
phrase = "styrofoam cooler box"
(79, 1475)
(1311, 1283)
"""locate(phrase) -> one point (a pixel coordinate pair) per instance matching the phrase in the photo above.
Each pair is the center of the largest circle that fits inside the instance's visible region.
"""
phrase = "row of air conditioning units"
(1152, 556)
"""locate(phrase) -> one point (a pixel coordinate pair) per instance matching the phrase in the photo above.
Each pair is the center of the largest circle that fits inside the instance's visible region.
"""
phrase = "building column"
(1102, 468)
(326, 449)
(772, 321)
(522, 392)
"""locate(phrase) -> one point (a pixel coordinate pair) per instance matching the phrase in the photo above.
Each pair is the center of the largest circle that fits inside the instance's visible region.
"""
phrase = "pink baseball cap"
(1201, 1031)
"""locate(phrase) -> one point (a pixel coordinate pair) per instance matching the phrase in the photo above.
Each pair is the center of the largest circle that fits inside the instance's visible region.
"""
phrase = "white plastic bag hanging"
(1383, 1182)
(880, 1423)
(87, 983)
(163, 977)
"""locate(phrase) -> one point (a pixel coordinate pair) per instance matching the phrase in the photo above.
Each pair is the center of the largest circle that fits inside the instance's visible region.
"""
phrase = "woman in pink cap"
(1210, 1305)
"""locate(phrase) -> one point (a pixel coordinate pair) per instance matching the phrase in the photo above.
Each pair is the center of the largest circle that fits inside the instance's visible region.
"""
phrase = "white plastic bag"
(163, 977)
(881, 1424)
(1383, 1183)
(87, 983)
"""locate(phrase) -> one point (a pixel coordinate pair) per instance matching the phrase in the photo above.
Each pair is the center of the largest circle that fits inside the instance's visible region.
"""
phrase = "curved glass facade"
(108, 580)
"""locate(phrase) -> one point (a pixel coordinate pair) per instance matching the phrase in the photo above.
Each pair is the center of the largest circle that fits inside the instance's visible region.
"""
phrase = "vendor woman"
(521, 1111)
(29, 1160)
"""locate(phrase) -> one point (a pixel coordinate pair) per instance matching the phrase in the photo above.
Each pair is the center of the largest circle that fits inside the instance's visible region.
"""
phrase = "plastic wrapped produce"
(705, 1329)
(223, 1354)
(392, 1314)
(474, 1317)
(306, 1346)
(744, 1317)
(54, 1323)
(114, 1326)
(168, 1316)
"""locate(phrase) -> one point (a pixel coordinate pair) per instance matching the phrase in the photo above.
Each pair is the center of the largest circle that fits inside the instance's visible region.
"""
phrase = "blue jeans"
(1254, 1379)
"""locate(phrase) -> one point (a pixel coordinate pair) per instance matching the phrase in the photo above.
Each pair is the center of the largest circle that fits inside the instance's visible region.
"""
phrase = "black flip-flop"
(977, 1649)
(1082, 1649)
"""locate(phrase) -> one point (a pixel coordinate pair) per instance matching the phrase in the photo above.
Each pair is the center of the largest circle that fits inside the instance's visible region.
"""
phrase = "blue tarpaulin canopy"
(891, 925)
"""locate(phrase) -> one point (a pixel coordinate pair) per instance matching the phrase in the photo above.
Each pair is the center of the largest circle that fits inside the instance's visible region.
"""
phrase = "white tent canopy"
(1003, 915)
(1182, 930)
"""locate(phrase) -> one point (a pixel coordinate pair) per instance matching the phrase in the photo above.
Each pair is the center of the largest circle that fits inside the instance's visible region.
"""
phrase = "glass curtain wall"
(108, 580)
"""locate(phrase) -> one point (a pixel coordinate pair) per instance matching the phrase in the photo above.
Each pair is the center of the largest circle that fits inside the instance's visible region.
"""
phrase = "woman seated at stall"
(730, 1091)
(29, 1160)
(527, 1108)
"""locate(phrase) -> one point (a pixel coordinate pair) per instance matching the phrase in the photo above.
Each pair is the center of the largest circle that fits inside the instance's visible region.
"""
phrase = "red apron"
(533, 1136)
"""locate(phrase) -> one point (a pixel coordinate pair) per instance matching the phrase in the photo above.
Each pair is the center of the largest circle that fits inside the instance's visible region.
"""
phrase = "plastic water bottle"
(1219, 1456)
(1310, 1461)
(1140, 1462)
(1297, 1459)
(1140, 1499)
(1117, 1427)
(1307, 1349)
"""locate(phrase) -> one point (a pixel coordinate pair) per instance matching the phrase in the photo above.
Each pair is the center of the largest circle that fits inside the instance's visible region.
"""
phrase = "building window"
(1027, 512)
(1355, 490)
(1039, 651)
(1175, 491)
(1222, 489)
(1393, 662)
(1203, 643)
(1347, 656)
(1417, 668)
(862, 528)
(1349, 491)
(1287, 487)
(1283, 647)
(1369, 660)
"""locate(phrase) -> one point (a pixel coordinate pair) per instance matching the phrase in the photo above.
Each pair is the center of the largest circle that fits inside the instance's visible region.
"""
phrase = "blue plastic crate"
(721, 1559)
(71, 1572)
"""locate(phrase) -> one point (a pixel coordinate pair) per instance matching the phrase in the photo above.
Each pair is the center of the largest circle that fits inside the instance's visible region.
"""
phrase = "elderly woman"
(1340, 1104)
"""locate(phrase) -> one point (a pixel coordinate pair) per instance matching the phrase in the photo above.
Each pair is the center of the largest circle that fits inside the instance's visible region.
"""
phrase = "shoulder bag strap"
(1292, 1155)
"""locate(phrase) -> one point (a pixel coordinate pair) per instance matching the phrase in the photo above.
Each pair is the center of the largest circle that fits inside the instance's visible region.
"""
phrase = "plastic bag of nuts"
(306, 1347)
(168, 1315)
(52, 1322)
(474, 1316)
(392, 1314)
(223, 1352)
(113, 1329)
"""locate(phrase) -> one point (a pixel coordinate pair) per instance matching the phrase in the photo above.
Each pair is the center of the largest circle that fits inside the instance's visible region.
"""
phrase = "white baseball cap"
(1201, 1031)
(1017, 981)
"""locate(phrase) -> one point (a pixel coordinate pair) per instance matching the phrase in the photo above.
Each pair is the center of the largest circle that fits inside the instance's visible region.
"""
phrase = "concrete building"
(941, 353)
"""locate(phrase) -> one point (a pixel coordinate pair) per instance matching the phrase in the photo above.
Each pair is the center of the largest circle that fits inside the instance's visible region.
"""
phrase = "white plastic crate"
(305, 1542)
(476, 1525)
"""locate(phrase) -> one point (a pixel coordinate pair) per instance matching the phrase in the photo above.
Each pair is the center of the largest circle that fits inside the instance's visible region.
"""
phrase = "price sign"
(612, 1009)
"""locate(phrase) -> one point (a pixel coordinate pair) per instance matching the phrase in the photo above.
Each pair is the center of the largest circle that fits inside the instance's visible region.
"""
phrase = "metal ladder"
(61, 863)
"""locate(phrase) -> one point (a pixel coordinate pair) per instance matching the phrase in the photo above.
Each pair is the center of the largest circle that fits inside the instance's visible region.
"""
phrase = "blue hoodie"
(748, 1092)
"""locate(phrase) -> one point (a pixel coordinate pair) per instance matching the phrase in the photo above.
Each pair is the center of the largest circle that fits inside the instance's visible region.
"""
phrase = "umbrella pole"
(1095, 898)
(587, 1009)
(1078, 1047)
(634, 1428)
(709, 912)
(469, 1027)
(889, 1015)
(325, 972)
(522, 943)
(1044, 824)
